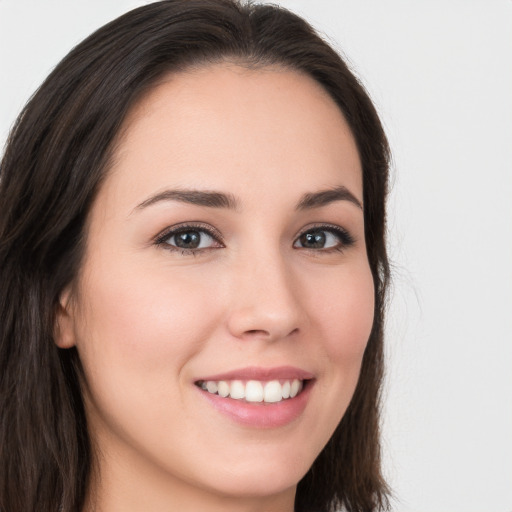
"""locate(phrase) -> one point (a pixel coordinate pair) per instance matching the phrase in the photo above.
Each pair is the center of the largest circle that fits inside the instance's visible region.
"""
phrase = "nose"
(265, 301)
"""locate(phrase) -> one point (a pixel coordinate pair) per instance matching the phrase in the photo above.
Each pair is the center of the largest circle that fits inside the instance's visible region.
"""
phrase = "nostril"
(261, 333)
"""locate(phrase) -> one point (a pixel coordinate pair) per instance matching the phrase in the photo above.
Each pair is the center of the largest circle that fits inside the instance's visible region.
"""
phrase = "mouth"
(258, 397)
(254, 391)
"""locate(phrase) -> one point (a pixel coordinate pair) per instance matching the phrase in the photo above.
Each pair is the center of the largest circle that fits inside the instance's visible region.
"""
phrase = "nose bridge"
(264, 300)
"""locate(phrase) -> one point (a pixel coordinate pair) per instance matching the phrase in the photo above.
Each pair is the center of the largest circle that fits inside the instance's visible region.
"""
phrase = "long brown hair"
(56, 157)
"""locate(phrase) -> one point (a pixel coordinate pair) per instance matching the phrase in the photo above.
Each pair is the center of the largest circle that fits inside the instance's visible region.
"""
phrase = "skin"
(148, 321)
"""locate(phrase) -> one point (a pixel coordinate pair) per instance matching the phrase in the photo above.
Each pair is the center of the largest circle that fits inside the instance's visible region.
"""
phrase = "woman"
(193, 272)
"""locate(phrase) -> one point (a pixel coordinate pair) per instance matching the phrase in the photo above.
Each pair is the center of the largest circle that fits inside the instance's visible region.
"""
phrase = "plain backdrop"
(440, 73)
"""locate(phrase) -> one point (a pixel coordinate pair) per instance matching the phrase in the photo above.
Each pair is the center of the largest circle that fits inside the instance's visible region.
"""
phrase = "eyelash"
(345, 238)
(161, 240)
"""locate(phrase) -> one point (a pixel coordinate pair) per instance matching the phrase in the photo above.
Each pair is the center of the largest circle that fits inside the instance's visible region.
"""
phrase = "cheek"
(346, 312)
(341, 314)
(137, 332)
(136, 322)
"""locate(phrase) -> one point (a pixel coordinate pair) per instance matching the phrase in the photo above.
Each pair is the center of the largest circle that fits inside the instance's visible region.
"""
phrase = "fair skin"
(271, 283)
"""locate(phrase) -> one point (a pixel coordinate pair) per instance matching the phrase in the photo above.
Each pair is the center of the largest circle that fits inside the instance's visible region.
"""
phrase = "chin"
(259, 478)
(257, 485)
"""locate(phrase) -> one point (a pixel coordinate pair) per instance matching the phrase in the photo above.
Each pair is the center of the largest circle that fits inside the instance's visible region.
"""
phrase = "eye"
(324, 238)
(189, 238)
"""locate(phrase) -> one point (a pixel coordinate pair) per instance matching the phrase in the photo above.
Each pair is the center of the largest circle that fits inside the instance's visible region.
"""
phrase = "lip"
(261, 415)
(262, 374)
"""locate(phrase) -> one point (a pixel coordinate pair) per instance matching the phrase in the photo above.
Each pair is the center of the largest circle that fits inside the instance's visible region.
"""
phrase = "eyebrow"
(214, 199)
(325, 197)
(210, 199)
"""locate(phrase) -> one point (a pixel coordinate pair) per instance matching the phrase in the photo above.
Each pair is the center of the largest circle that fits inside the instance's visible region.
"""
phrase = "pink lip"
(262, 374)
(261, 414)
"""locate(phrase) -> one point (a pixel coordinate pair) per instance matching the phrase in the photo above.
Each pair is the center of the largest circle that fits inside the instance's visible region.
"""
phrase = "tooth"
(237, 389)
(294, 389)
(223, 388)
(286, 389)
(272, 392)
(211, 386)
(254, 391)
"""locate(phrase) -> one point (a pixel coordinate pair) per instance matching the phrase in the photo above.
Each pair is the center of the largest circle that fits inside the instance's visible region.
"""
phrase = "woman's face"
(225, 251)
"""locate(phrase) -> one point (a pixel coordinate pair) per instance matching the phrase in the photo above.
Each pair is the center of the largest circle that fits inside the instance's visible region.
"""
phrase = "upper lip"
(260, 373)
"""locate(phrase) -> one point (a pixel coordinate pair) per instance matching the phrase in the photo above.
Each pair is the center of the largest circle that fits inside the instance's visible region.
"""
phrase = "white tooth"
(211, 386)
(254, 391)
(237, 389)
(294, 389)
(223, 388)
(272, 391)
(286, 389)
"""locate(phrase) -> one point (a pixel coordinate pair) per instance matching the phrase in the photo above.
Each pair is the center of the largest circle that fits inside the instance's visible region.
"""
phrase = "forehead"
(228, 127)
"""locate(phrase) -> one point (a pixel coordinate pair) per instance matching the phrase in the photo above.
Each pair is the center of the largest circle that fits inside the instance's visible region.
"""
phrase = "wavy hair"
(55, 160)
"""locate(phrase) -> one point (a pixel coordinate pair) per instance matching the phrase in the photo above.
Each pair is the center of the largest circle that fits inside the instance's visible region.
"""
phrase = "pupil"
(188, 240)
(313, 240)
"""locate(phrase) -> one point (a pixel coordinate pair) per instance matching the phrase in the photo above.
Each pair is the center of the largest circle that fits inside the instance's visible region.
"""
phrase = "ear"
(64, 327)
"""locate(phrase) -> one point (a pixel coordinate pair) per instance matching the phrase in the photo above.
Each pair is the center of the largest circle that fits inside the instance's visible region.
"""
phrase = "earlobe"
(63, 331)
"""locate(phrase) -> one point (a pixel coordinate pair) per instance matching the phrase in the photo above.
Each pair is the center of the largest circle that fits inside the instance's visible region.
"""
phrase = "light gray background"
(440, 73)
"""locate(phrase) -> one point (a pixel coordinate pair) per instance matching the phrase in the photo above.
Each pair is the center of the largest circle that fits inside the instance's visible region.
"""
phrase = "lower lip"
(261, 414)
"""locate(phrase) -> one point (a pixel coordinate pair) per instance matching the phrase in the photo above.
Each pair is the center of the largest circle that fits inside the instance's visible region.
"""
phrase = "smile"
(259, 397)
(255, 391)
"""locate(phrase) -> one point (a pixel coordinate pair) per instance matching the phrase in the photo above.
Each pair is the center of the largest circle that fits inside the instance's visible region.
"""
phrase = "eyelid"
(345, 236)
(169, 231)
